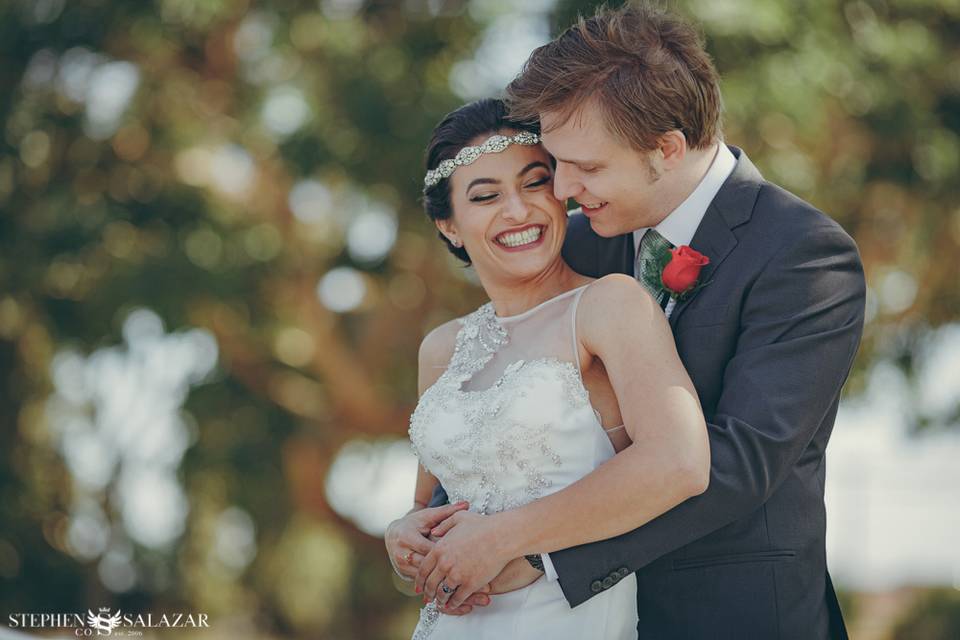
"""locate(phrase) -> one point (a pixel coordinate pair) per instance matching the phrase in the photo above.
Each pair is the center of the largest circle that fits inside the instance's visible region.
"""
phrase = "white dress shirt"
(679, 227)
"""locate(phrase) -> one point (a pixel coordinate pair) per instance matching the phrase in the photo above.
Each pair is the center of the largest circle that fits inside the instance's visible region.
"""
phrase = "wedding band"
(445, 588)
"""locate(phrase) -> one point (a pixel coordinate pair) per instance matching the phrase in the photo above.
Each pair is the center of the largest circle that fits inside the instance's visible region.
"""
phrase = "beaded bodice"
(509, 420)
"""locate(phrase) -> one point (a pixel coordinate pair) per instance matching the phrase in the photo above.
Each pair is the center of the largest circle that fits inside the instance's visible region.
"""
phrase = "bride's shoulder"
(613, 300)
(439, 342)
(613, 312)
(613, 291)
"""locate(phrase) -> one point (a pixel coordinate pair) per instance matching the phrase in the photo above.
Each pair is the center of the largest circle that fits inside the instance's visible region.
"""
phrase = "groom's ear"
(671, 150)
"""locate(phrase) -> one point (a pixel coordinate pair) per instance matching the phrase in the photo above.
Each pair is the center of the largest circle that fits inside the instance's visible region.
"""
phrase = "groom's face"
(616, 186)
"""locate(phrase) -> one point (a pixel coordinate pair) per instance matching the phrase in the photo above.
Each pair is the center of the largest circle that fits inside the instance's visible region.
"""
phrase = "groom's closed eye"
(586, 166)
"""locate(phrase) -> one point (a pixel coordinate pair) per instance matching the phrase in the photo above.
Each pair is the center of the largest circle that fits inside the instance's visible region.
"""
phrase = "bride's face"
(505, 213)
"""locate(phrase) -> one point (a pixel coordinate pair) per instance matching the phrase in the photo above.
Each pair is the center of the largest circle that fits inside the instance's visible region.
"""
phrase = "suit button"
(624, 572)
(596, 586)
(607, 582)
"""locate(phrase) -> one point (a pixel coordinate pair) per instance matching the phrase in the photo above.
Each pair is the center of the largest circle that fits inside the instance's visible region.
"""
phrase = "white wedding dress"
(508, 422)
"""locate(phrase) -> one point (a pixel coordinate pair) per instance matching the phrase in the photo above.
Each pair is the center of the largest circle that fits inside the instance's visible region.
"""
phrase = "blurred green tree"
(252, 169)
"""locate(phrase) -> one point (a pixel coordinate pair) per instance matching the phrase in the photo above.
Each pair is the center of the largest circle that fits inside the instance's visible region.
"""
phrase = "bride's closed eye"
(533, 184)
(539, 182)
(483, 197)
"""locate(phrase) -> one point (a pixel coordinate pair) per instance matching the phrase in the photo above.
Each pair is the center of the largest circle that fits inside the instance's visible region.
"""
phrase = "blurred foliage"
(225, 185)
(934, 616)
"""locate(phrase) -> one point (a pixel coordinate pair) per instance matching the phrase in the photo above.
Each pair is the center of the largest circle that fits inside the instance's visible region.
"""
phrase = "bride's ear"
(449, 230)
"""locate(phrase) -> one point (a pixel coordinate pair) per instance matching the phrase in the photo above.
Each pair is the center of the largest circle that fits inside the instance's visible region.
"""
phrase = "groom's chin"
(604, 230)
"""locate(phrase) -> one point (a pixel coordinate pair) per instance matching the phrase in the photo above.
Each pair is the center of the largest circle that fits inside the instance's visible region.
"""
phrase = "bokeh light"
(342, 289)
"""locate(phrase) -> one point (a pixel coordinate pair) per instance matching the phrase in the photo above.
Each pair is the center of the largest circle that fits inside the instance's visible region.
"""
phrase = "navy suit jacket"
(768, 342)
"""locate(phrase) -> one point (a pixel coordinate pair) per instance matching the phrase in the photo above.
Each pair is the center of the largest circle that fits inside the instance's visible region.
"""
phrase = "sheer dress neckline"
(531, 310)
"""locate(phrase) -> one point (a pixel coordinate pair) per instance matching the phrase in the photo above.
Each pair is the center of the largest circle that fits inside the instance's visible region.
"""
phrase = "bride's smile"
(505, 214)
(526, 237)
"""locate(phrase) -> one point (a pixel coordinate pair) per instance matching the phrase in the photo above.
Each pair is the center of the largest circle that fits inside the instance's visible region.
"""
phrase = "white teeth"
(592, 206)
(519, 239)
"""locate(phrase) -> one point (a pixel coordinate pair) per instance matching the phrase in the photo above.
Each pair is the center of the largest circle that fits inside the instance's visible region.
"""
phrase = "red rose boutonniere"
(681, 270)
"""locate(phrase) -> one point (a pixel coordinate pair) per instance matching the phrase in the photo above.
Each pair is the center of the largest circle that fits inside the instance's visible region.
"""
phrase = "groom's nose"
(564, 185)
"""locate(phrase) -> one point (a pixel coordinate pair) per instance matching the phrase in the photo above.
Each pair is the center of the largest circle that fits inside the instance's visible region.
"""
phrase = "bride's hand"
(407, 540)
(468, 556)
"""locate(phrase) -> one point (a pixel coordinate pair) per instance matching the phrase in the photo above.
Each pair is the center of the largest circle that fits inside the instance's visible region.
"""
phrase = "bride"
(561, 384)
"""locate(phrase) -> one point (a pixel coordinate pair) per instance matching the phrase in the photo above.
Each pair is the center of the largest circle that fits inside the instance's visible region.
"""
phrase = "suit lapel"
(714, 240)
(628, 260)
(732, 206)
(615, 255)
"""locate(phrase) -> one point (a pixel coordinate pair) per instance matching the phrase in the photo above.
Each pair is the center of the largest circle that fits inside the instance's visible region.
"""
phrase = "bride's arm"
(667, 462)
(407, 538)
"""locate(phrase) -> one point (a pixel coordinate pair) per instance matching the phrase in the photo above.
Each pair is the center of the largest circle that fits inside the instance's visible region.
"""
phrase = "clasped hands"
(451, 547)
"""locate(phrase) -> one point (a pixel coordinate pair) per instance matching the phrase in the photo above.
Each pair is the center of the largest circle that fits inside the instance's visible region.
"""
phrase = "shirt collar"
(681, 224)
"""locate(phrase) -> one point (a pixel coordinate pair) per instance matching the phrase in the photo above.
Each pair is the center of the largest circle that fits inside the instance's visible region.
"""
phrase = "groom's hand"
(408, 538)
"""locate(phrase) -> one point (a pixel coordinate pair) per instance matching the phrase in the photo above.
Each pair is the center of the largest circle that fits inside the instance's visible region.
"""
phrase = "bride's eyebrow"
(482, 181)
(532, 165)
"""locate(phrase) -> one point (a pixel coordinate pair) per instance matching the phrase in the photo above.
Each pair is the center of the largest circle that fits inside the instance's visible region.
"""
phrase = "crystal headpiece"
(469, 155)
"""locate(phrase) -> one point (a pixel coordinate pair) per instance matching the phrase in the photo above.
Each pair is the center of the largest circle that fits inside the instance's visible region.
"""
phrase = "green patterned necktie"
(647, 269)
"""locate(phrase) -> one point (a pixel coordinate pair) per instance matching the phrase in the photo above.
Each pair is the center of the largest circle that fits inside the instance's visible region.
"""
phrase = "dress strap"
(573, 327)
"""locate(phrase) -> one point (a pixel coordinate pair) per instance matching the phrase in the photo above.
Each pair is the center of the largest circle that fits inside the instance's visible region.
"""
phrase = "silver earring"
(456, 243)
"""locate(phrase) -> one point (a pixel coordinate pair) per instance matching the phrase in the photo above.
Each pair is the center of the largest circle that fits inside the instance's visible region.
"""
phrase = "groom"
(629, 104)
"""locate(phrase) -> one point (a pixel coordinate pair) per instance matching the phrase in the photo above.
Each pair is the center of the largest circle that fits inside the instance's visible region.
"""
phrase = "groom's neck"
(684, 179)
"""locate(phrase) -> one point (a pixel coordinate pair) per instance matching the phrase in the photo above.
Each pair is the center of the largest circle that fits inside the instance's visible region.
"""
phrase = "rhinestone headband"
(469, 155)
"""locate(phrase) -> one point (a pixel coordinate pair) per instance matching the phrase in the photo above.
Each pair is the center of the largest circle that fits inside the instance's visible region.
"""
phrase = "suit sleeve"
(801, 324)
(439, 497)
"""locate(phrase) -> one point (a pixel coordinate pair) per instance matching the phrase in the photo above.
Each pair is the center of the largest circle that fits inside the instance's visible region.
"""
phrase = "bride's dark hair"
(457, 129)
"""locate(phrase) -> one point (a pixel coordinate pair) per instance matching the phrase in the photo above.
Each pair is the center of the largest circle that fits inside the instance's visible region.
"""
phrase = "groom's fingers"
(475, 600)
(426, 568)
(445, 526)
(433, 517)
(459, 611)
(419, 545)
(462, 595)
(432, 583)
